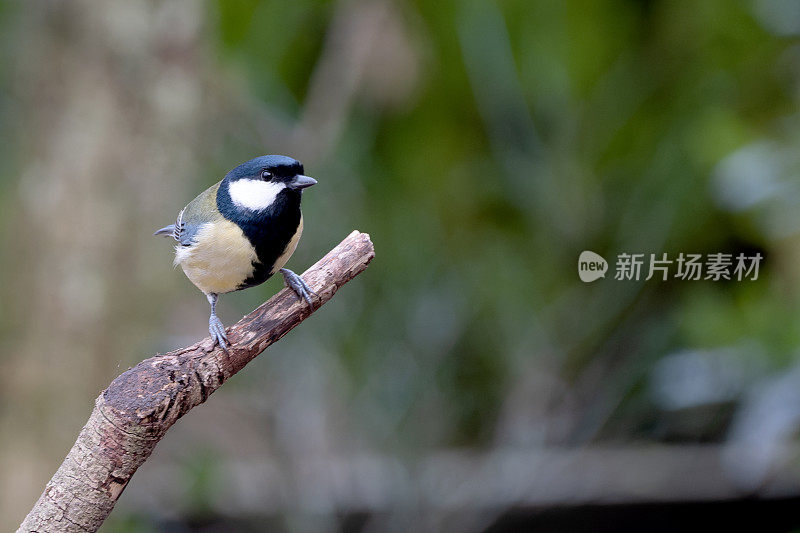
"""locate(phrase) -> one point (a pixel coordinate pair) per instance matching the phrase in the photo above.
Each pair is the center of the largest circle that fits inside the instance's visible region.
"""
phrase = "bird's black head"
(267, 168)
(257, 184)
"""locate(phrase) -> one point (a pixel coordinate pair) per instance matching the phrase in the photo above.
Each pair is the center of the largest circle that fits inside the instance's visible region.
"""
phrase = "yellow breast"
(221, 258)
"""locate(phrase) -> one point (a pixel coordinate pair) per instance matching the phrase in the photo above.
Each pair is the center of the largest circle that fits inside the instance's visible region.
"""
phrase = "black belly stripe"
(269, 231)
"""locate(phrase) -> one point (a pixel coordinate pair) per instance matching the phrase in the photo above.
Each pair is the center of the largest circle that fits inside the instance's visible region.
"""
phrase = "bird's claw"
(296, 283)
(217, 331)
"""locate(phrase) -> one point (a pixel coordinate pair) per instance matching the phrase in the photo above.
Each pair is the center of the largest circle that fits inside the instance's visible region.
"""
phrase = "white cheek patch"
(254, 194)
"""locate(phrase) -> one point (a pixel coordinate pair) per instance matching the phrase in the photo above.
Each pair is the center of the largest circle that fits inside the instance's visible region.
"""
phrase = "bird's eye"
(266, 175)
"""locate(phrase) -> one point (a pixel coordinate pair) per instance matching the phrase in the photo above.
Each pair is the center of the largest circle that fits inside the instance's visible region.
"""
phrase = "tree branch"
(132, 415)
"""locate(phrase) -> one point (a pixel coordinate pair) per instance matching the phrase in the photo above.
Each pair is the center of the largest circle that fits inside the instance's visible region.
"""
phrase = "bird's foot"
(296, 283)
(217, 331)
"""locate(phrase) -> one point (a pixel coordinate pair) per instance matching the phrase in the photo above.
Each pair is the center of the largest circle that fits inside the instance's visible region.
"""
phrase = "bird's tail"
(167, 230)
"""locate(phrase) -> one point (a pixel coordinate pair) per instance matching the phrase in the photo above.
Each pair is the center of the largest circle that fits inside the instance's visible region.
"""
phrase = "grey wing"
(200, 211)
(182, 231)
(185, 230)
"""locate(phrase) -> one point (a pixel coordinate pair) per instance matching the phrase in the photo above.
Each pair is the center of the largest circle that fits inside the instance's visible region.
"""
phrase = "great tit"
(240, 231)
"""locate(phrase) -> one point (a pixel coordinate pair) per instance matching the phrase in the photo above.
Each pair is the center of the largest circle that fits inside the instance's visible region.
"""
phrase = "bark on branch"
(140, 405)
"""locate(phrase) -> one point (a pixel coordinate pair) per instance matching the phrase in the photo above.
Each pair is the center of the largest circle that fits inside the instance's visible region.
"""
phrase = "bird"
(240, 231)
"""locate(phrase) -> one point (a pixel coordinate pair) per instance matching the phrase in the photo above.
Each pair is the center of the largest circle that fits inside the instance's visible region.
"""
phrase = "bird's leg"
(296, 283)
(215, 327)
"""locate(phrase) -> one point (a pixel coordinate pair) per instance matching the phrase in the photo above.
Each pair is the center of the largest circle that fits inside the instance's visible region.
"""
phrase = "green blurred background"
(468, 380)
